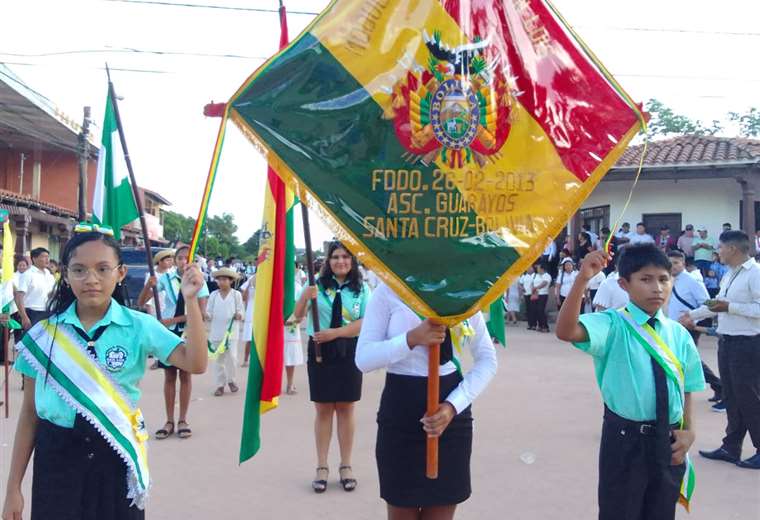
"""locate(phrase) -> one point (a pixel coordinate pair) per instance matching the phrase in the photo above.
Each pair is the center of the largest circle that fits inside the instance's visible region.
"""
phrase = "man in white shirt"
(641, 236)
(34, 289)
(685, 241)
(737, 306)
(594, 237)
(689, 294)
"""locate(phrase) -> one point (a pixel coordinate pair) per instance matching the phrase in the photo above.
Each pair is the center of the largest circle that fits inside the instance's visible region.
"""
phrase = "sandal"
(184, 433)
(291, 390)
(219, 391)
(349, 484)
(164, 432)
(233, 387)
(320, 485)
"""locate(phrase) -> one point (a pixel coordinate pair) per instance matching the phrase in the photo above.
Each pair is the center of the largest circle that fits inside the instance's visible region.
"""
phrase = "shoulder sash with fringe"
(653, 343)
(86, 386)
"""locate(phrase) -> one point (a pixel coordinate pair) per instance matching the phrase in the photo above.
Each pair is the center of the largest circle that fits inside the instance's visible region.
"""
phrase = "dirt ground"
(543, 407)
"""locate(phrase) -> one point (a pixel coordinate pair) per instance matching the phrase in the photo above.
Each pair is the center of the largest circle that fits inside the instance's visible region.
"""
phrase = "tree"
(251, 246)
(665, 121)
(749, 123)
(177, 227)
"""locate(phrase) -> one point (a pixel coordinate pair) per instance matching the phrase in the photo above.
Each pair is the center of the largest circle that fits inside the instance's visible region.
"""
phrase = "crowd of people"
(622, 305)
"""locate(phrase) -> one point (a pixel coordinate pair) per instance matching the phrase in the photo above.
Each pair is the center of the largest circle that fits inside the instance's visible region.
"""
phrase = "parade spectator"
(726, 226)
(35, 288)
(593, 237)
(665, 241)
(512, 302)
(757, 241)
(593, 287)
(565, 281)
(224, 312)
(526, 289)
(685, 241)
(641, 236)
(704, 247)
(737, 307)
(718, 267)
(694, 271)
(550, 257)
(584, 247)
(624, 234)
(712, 283)
(21, 267)
(541, 282)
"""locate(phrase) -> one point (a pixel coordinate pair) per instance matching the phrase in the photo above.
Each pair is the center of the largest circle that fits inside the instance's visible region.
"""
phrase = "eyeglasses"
(81, 273)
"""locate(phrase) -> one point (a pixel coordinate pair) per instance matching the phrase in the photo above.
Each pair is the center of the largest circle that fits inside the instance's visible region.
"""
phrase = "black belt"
(644, 428)
(729, 337)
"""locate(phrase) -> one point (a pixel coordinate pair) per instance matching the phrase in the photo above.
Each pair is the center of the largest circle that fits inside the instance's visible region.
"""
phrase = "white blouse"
(382, 344)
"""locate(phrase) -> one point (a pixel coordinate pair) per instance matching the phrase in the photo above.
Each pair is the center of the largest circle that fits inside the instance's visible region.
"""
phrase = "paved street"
(543, 403)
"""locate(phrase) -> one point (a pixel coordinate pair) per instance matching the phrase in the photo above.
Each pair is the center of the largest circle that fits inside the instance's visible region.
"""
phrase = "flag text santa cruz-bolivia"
(444, 145)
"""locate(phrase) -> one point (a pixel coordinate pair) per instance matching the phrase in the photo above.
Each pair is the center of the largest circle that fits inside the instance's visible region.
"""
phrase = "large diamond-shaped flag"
(443, 141)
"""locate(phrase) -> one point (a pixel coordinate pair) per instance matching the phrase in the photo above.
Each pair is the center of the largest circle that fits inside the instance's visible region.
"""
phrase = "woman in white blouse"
(395, 338)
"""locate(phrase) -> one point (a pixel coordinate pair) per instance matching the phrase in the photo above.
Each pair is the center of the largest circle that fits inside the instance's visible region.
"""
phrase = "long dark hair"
(353, 278)
(63, 296)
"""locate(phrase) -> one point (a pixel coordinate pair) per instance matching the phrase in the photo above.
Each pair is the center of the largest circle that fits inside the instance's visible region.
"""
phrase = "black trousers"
(710, 377)
(739, 365)
(531, 311)
(540, 310)
(632, 484)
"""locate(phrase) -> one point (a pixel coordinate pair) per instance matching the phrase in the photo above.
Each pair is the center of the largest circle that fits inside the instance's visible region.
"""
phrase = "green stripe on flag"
(250, 439)
(344, 135)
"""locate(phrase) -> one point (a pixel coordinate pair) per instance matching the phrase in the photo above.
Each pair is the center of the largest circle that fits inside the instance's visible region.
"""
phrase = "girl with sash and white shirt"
(395, 338)
(83, 366)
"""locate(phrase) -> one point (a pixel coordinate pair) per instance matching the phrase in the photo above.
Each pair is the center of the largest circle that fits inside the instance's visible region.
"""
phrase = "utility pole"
(84, 155)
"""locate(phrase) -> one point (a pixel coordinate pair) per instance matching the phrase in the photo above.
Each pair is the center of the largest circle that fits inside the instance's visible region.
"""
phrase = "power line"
(205, 6)
(670, 30)
(129, 50)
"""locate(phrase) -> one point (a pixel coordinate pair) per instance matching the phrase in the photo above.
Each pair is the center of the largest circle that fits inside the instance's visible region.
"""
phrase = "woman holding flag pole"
(335, 383)
(395, 338)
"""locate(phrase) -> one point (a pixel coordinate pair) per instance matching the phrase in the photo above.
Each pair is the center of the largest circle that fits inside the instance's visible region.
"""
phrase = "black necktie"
(447, 348)
(662, 435)
(336, 317)
(91, 341)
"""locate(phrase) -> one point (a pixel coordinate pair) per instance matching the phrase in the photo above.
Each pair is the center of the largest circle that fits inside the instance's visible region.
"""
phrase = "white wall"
(709, 202)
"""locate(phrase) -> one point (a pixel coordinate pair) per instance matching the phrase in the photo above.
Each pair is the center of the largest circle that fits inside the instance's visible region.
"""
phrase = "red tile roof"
(692, 150)
(17, 199)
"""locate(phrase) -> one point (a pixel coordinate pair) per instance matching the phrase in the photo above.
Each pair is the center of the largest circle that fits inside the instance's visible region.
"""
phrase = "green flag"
(113, 203)
(496, 327)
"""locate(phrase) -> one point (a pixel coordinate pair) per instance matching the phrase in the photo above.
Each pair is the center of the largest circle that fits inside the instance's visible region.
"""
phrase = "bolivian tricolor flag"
(443, 140)
(275, 287)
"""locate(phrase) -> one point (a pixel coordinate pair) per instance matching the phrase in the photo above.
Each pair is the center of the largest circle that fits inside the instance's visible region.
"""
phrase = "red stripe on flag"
(571, 100)
(274, 360)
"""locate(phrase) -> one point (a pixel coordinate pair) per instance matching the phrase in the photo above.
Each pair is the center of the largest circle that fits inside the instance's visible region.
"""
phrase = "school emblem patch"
(116, 358)
(458, 107)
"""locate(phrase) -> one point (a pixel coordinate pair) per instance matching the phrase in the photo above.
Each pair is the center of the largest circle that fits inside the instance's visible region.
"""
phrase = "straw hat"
(225, 271)
(162, 254)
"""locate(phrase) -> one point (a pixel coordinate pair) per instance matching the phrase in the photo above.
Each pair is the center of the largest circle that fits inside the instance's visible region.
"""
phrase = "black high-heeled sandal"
(349, 484)
(320, 486)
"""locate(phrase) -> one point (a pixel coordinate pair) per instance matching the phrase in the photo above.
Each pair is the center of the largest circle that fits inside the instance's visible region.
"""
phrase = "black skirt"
(336, 379)
(401, 444)
(78, 476)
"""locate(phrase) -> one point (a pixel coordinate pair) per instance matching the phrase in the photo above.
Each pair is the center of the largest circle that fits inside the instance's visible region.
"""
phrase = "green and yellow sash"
(664, 356)
(214, 353)
(83, 383)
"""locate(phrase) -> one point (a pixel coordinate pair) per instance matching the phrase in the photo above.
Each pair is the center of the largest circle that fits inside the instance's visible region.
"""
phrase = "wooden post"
(6, 337)
(84, 156)
(310, 273)
(135, 191)
(433, 391)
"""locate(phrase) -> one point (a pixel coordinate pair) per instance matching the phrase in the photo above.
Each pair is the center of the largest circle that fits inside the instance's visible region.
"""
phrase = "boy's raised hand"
(192, 281)
(593, 263)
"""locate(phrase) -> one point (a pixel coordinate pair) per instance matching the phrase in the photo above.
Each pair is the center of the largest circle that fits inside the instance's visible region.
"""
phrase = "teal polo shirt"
(171, 284)
(354, 306)
(624, 368)
(133, 334)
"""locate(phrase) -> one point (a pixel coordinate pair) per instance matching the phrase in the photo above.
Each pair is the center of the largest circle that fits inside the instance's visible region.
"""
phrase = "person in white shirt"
(593, 236)
(224, 312)
(565, 280)
(641, 236)
(592, 288)
(610, 295)
(34, 289)
(737, 306)
(248, 289)
(624, 234)
(541, 282)
(526, 290)
(394, 338)
(693, 271)
(164, 262)
(687, 295)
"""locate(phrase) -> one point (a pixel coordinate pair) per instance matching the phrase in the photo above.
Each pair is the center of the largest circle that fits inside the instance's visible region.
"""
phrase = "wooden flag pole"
(312, 279)
(433, 391)
(6, 337)
(135, 191)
